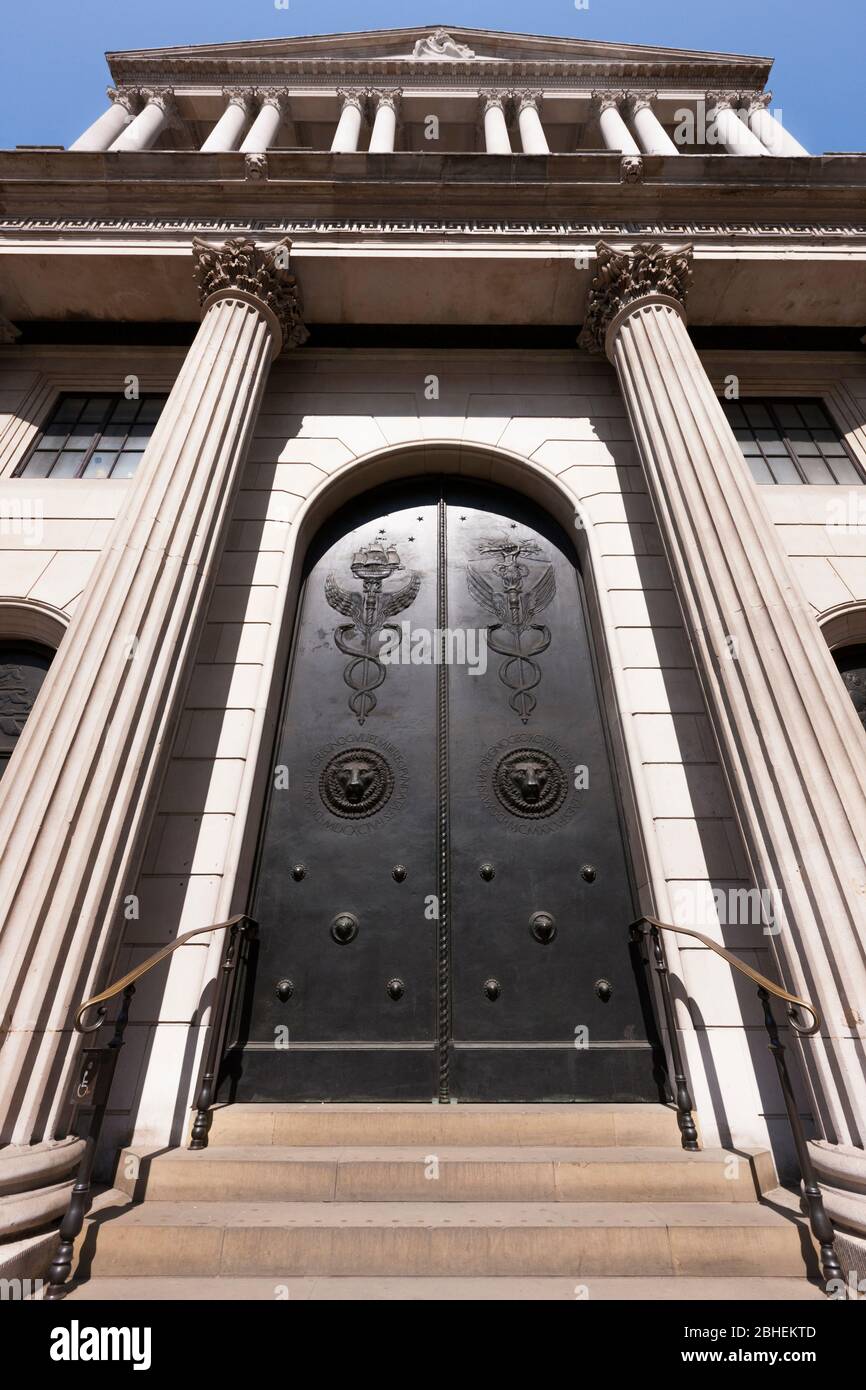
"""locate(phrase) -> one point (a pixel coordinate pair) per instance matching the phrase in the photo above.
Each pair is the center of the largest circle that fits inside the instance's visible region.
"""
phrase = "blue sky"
(53, 73)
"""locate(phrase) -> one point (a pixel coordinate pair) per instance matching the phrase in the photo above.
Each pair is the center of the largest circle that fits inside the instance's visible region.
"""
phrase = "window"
(851, 663)
(93, 437)
(790, 441)
(23, 666)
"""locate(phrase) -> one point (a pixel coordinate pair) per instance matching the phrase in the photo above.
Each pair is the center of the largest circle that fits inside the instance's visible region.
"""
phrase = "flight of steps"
(445, 1202)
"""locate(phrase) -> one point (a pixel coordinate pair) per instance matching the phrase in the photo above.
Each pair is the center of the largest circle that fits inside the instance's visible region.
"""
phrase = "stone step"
(598, 1290)
(605, 1125)
(574, 1240)
(444, 1174)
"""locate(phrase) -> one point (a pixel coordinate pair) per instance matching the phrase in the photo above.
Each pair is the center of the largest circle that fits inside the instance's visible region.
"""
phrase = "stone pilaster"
(75, 799)
(793, 746)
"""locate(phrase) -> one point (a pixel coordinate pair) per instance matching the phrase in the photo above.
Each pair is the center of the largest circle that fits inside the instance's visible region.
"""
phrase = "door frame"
(500, 468)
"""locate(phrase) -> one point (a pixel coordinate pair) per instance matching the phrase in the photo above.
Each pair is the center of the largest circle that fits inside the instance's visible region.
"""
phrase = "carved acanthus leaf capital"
(127, 97)
(258, 273)
(603, 101)
(244, 97)
(645, 272)
(486, 100)
(638, 101)
(719, 101)
(756, 101)
(163, 97)
(387, 96)
(522, 99)
(349, 96)
(273, 96)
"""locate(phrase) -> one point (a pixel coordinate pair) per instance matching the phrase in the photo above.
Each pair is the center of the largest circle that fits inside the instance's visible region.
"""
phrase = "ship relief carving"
(518, 587)
(369, 607)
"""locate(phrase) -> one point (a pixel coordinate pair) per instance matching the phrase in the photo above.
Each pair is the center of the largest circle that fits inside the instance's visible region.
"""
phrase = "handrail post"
(94, 1079)
(819, 1222)
(684, 1103)
(244, 928)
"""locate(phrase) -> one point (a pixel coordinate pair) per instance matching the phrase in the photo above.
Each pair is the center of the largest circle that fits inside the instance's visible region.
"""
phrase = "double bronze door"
(442, 889)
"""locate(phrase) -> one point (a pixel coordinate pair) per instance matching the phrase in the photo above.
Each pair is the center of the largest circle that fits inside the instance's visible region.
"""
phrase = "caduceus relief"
(369, 609)
(515, 636)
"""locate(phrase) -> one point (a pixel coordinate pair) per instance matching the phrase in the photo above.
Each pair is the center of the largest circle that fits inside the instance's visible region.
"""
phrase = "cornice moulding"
(581, 75)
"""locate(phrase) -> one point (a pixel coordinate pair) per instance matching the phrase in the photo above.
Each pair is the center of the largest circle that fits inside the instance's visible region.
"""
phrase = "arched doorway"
(442, 886)
(23, 667)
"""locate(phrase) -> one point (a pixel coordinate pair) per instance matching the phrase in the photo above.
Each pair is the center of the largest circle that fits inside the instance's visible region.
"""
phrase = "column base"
(841, 1172)
(35, 1183)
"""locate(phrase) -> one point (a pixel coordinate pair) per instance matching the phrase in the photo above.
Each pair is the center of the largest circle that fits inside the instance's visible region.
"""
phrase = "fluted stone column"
(532, 137)
(770, 131)
(614, 131)
(348, 130)
(730, 131)
(227, 132)
(652, 135)
(263, 131)
(158, 112)
(793, 745)
(125, 104)
(75, 801)
(496, 139)
(386, 105)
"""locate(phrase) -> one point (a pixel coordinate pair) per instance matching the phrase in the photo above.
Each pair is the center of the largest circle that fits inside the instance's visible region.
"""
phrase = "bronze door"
(442, 888)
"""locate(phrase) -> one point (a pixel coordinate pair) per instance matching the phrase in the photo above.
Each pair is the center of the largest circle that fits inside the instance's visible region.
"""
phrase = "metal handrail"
(98, 1064)
(131, 976)
(769, 985)
(819, 1222)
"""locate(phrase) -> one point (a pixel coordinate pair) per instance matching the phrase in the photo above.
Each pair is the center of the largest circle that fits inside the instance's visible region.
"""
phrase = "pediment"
(435, 43)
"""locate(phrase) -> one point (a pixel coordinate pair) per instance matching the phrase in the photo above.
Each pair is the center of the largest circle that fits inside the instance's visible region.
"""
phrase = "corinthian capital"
(646, 272)
(523, 99)
(638, 101)
(239, 96)
(127, 97)
(488, 99)
(756, 101)
(390, 96)
(259, 274)
(351, 97)
(273, 96)
(603, 101)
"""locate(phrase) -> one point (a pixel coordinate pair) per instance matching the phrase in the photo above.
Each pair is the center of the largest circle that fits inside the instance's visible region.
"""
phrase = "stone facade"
(457, 261)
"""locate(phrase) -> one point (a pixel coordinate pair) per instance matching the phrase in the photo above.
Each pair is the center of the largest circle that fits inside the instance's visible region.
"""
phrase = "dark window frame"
(769, 403)
(98, 428)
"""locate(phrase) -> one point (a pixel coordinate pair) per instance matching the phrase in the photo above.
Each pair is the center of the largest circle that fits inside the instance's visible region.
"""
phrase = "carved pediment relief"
(440, 44)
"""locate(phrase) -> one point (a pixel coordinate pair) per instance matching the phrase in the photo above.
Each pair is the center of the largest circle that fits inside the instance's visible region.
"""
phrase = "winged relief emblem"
(368, 609)
(515, 636)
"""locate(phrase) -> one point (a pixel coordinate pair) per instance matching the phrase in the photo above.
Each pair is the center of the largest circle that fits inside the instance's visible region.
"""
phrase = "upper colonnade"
(512, 96)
